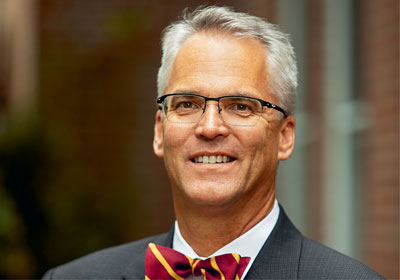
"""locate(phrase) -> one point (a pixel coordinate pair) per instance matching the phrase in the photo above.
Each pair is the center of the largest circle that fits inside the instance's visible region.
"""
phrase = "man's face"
(215, 65)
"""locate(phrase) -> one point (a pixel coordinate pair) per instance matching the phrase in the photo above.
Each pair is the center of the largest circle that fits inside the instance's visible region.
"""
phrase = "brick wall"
(378, 50)
(315, 82)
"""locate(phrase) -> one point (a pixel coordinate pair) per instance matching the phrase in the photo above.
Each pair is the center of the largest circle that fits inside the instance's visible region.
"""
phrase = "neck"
(222, 224)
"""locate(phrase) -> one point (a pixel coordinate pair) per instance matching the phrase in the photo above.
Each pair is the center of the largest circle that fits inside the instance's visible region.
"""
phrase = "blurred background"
(77, 106)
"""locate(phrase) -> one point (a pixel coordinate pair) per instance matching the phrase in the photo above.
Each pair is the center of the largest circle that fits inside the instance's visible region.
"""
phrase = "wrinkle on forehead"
(209, 57)
(213, 47)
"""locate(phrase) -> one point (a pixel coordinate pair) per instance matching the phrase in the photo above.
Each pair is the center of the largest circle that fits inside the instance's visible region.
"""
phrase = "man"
(226, 89)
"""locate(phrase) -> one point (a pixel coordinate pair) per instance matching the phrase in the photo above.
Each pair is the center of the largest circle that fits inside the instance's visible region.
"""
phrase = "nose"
(211, 124)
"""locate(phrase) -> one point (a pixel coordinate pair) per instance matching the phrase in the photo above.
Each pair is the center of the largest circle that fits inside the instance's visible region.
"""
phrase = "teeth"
(212, 159)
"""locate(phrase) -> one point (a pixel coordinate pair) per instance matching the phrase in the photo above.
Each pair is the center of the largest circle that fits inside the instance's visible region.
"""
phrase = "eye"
(240, 107)
(186, 105)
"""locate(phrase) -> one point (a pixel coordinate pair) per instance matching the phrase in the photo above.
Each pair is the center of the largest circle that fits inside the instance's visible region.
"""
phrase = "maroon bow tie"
(166, 263)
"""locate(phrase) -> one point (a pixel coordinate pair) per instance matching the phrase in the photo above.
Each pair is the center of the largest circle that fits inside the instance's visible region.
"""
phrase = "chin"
(210, 196)
(211, 201)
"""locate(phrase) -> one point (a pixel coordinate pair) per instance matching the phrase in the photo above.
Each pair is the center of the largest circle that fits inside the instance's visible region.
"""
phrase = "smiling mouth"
(212, 159)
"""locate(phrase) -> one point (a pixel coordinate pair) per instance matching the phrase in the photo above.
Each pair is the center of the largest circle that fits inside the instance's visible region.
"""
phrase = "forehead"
(217, 61)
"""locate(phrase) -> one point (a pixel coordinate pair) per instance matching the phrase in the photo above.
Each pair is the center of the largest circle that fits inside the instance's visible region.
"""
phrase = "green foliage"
(17, 258)
(123, 25)
(22, 153)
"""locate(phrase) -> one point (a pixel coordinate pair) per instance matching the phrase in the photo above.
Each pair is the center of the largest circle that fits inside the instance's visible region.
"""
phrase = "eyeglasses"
(235, 110)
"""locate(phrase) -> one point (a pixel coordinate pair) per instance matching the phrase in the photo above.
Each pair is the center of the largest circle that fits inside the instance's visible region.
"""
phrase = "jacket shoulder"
(320, 262)
(110, 263)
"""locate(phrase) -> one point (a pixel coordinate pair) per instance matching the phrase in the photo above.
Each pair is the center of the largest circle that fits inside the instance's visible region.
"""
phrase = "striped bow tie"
(166, 263)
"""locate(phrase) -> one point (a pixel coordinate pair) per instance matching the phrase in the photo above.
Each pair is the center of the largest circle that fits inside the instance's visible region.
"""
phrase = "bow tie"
(166, 263)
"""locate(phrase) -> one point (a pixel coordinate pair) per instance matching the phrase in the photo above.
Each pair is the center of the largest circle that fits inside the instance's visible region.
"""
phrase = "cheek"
(261, 145)
(258, 138)
(174, 139)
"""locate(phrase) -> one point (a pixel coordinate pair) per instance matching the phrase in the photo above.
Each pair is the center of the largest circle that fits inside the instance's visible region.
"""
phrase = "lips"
(212, 159)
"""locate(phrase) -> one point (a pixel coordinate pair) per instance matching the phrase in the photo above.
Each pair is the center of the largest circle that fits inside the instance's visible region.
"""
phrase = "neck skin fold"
(222, 224)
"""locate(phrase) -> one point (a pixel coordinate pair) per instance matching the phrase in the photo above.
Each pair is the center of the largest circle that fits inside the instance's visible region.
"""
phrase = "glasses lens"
(240, 111)
(182, 108)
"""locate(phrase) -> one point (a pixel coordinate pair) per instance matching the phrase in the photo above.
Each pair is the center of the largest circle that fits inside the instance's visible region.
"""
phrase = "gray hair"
(280, 57)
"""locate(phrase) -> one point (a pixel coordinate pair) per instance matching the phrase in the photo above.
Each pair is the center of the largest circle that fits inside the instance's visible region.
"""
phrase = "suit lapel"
(136, 268)
(279, 257)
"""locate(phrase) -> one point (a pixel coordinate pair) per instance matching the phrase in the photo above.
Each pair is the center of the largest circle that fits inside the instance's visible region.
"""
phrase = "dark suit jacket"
(285, 255)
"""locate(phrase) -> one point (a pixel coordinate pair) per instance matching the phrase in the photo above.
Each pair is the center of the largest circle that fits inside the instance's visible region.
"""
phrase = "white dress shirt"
(247, 245)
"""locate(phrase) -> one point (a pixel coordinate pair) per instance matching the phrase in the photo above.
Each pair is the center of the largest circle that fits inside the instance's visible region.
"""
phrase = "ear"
(158, 141)
(286, 137)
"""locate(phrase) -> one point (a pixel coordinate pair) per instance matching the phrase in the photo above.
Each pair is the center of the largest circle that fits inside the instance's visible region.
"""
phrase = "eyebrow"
(185, 92)
(243, 94)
